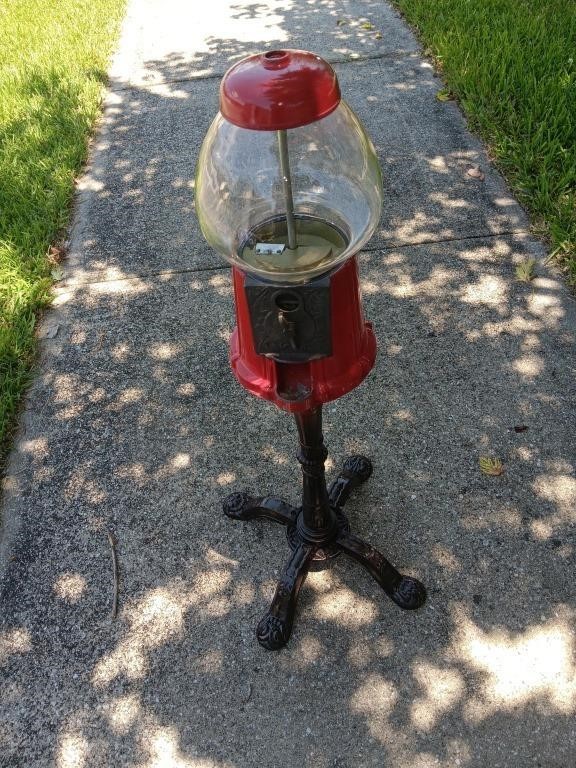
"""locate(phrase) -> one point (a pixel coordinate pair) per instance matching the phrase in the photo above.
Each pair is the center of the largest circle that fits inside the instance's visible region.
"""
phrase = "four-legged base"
(312, 550)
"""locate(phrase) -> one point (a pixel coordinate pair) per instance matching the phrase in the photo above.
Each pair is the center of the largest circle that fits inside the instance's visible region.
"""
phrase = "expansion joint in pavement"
(220, 74)
(483, 236)
(143, 276)
(221, 267)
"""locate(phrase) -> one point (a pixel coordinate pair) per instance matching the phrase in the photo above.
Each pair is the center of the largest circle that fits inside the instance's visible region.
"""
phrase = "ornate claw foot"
(273, 631)
(409, 593)
(242, 506)
(356, 470)
(405, 591)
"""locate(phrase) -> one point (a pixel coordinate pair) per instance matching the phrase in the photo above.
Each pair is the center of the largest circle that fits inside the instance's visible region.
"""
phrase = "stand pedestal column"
(317, 531)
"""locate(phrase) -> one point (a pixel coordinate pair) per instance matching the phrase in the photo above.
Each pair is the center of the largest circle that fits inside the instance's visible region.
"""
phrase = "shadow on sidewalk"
(135, 425)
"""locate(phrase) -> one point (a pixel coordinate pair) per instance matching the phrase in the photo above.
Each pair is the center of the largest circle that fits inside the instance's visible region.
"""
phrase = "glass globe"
(289, 205)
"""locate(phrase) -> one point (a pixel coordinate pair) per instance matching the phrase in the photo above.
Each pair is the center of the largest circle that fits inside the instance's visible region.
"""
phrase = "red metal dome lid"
(278, 90)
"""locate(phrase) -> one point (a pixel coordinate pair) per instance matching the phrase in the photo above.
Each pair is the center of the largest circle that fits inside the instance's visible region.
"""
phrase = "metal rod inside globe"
(287, 184)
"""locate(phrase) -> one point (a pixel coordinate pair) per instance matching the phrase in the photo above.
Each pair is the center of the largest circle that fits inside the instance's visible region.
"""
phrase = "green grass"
(53, 60)
(512, 66)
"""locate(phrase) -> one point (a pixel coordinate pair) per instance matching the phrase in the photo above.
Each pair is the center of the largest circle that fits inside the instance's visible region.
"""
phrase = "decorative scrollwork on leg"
(236, 505)
(273, 633)
(405, 591)
(356, 470)
(243, 506)
(275, 627)
(409, 593)
(358, 466)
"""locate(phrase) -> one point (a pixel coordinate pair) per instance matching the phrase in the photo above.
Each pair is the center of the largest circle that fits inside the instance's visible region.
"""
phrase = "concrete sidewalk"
(136, 426)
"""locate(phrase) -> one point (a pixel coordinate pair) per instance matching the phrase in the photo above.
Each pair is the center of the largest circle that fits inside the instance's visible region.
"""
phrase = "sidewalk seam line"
(371, 249)
(219, 75)
(449, 240)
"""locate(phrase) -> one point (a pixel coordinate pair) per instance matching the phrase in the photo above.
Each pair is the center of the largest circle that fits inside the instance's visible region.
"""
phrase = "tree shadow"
(135, 425)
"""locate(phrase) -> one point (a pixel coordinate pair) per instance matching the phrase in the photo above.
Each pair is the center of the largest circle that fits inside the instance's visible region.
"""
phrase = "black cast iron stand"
(318, 531)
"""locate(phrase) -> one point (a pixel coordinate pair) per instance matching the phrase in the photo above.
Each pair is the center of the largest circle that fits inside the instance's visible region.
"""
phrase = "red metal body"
(278, 90)
(298, 387)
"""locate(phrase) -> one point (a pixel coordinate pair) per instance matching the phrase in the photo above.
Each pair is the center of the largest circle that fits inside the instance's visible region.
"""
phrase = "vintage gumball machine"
(288, 189)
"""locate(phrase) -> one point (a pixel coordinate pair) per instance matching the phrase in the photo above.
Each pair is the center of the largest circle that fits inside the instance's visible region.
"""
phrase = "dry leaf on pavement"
(445, 95)
(475, 173)
(525, 270)
(491, 466)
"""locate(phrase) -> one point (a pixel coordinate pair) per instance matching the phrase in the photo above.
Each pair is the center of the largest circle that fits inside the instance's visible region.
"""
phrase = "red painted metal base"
(298, 387)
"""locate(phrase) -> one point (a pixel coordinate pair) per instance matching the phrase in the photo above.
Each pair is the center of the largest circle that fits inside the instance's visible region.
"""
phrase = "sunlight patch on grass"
(53, 60)
(512, 66)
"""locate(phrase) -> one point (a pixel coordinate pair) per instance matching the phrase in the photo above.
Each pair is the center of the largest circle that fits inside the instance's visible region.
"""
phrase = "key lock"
(289, 315)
